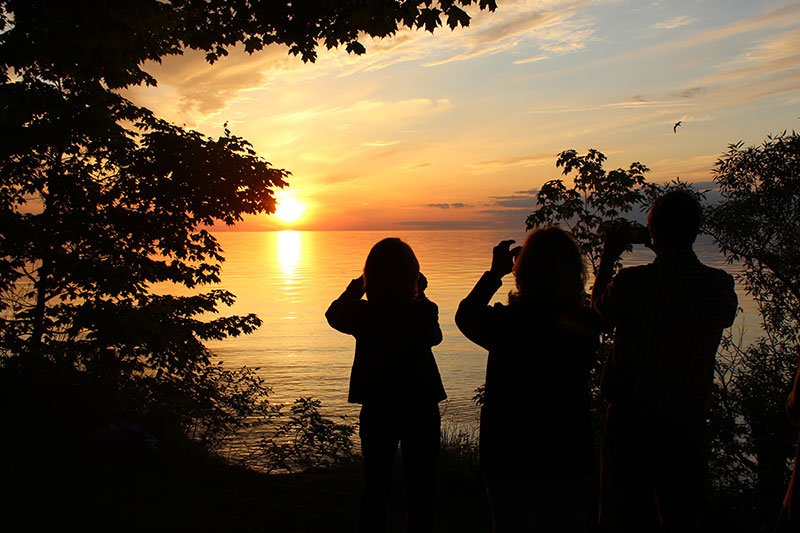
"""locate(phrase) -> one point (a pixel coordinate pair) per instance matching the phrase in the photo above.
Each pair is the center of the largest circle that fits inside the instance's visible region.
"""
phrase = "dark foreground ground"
(187, 493)
(145, 494)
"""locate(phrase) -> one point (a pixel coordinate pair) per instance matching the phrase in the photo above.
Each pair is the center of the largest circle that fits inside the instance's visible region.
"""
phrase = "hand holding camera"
(618, 235)
(504, 257)
(357, 284)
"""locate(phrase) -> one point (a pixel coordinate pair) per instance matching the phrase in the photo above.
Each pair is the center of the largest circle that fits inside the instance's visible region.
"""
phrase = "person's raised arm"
(428, 326)
(473, 316)
(342, 314)
(613, 246)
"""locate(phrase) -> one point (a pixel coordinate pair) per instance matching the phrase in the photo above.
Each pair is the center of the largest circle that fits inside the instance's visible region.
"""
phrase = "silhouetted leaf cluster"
(307, 440)
(756, 226)
(109, 41)
(596, 198)
(751, 440)
(100, 200)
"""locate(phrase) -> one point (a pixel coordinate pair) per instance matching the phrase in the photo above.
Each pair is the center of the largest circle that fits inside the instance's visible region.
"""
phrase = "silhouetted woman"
(395, 379)
(536, 443)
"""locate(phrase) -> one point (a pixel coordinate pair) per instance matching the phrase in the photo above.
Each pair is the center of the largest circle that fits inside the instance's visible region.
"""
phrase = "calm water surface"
(289, 278)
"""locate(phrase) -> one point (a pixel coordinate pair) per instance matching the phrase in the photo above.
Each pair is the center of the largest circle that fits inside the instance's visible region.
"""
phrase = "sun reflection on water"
(289, 250)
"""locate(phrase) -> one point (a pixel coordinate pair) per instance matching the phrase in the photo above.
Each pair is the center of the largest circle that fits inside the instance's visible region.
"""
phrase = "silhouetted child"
(395, 379)
(536, 443)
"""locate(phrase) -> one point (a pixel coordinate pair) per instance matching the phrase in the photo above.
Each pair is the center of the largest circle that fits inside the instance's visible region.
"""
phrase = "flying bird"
(675, 127)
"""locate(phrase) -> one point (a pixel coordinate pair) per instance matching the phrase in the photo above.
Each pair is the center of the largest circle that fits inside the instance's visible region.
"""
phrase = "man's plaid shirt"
(669, 316)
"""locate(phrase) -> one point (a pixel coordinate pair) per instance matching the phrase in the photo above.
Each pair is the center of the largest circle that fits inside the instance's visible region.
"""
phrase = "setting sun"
(289, 209)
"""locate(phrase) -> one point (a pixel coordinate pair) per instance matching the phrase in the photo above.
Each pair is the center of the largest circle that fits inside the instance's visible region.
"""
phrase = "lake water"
(289, 278)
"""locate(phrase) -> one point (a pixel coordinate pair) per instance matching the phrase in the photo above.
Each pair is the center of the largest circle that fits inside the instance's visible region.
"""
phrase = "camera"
(628, 232)
(636, 234)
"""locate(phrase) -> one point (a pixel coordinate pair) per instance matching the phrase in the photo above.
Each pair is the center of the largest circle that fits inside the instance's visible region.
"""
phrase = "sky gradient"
(458, 129)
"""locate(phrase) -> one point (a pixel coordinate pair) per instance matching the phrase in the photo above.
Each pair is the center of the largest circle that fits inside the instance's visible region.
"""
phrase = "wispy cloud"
(675, 22)
(380, 144)
(529, 60)
(494, 49)
(752, 89)
(767, 68)
(419, 166)
(507, 218)
(367, 110)
(445, 224)
(782, 17)
(514, 200)
(189, 88)
(555, 25)
(565, 47)
(773, 55)
(773, 20)
(366, 136)
(694, 169)
(192, 89)
(635, 102)
(691, 92)
(481, 167)
(455, 205)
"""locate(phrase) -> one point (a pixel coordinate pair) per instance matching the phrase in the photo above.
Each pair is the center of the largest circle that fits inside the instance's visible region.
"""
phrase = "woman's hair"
(391, 272)
(550, 271)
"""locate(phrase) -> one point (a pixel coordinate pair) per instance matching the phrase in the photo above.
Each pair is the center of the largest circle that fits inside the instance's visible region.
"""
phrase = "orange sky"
(458, 129)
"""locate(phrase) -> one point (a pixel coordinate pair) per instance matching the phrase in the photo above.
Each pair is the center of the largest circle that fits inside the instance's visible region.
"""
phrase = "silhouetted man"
(668, 318)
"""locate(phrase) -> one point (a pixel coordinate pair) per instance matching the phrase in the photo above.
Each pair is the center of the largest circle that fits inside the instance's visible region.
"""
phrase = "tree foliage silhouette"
(100, 199)
(756, 226)
(596, 199)
(109, 41)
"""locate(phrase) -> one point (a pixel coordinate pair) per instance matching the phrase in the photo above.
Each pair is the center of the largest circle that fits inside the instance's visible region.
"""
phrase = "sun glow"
(289, 209)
